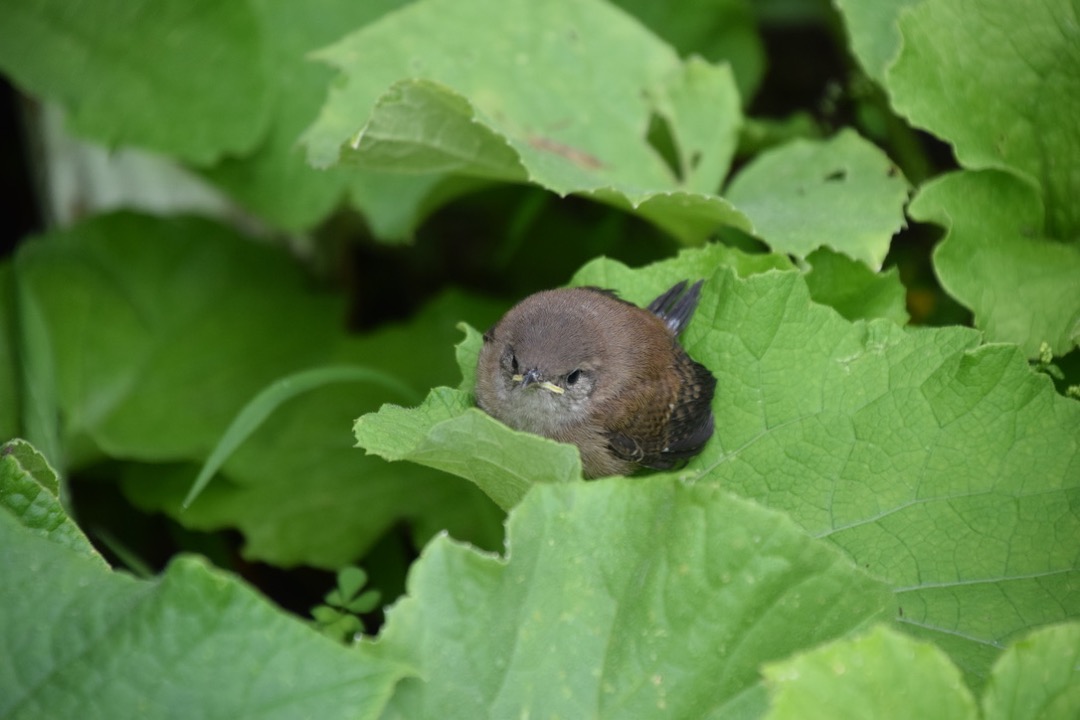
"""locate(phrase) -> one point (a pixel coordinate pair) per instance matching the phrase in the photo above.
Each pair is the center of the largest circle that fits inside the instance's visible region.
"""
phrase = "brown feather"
(630, 395)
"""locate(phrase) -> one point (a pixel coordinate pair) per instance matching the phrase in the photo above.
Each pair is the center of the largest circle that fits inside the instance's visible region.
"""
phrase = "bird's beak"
(528, 378)
(552, 387)
(533, 376)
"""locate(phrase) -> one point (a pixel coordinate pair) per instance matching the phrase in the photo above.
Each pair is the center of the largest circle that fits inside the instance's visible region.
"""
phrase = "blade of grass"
(40, 412)
(139, 567)
(252, 415)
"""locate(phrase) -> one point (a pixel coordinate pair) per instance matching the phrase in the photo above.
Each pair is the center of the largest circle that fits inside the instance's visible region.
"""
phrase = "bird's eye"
(573, 377)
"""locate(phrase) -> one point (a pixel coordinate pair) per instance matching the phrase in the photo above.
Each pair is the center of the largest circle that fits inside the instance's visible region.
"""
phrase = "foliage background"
(292, 215)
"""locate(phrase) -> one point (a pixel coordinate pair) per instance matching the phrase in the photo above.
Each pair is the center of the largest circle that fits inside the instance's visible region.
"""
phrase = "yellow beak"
(547, 385)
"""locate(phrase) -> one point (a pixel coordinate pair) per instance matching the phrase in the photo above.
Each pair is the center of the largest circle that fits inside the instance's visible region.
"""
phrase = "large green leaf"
(842, 193)
(619, 598)
(1038, 676)
(154, 325)
(946, 468)
(879, 675)
(995, 259)
(347, 500)
(162, 330)
(884, 674)
(79, 640)
(184, 77)
(274, 180)
(999, 81)
(466, 87)
(301, 494)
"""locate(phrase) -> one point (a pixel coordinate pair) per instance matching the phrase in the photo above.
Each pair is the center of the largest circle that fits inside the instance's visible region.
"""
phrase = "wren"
(579, 365)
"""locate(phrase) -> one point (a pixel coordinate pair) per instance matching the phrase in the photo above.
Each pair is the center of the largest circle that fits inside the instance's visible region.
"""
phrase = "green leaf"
(620, 598)
(29, 490)
(195, 639)
(884, 674)
(880, 674)
(420, 126)
(154, 335)
(365, 602)
(467, 353)
(996, 260)
(1000, 82)
(642, 288)
(853, 290)
(274, 180)
(874, 32)
(848, 286)
(430, 89)
(946, 468)
(689, 217)
(350, 580)
(301, 494)
(163, 329)
(841, 193)
(326, 615)
(32, 463)
(266, 401)
(183, 77)
(1037, 677)
(448, 433)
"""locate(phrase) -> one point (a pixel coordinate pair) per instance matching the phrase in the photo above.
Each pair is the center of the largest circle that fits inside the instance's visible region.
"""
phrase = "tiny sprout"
(1046, 355)
(1045, 362)
(339, 616)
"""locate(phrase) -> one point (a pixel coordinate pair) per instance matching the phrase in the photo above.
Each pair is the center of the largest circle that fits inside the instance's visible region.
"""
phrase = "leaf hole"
(662, 141)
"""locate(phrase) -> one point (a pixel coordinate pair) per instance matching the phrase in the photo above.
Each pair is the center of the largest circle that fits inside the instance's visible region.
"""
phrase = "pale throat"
(542, 411)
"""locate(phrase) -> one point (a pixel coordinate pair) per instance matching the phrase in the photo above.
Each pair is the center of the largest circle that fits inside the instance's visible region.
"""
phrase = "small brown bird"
(581, 366)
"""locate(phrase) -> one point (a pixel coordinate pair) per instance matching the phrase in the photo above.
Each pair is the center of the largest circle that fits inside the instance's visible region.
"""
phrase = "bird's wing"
(676, 306)
(663, 440)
